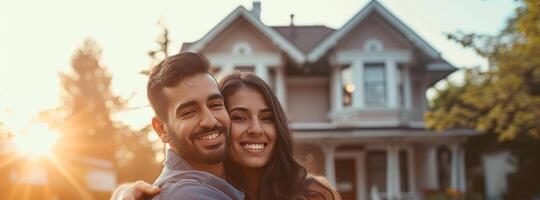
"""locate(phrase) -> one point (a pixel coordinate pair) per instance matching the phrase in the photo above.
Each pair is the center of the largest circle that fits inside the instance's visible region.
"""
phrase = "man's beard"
(192, 153)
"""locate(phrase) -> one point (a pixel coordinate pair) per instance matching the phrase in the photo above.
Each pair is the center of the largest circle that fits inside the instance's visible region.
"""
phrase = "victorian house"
(355, 97)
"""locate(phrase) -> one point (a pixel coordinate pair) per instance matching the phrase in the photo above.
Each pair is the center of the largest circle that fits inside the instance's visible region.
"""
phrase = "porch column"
(281, 89)
(262, 71)
(430, 165)
(393, 184)
(457, 180)
(329, 163)
(337, 90)
(358, 100)
(391, 84)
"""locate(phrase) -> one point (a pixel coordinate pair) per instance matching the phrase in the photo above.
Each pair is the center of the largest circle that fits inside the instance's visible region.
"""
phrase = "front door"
(346, 178)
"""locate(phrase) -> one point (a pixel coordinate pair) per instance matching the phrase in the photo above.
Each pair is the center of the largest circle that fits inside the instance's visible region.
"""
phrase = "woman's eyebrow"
(241, 109)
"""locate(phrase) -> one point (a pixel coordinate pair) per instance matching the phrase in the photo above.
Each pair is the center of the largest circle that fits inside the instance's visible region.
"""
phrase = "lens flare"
(37, 141)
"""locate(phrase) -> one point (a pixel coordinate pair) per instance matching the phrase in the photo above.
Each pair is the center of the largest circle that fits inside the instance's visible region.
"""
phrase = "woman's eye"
(268, 119)
(238, 118)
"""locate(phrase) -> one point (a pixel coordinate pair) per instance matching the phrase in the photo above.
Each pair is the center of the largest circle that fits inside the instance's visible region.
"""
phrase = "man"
(191, 117)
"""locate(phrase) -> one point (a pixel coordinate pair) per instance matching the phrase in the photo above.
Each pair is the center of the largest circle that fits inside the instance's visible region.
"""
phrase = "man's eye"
(187, 113)
(216, 106)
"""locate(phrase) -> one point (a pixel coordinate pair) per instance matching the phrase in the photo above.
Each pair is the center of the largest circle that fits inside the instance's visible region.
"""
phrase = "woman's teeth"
(209, 137)
(253, 147)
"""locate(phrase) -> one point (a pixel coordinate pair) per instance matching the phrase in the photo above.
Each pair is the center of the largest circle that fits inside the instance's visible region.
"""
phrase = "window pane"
(375, 84)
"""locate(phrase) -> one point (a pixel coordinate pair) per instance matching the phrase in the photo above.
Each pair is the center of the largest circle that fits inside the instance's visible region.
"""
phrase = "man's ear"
(159, 127)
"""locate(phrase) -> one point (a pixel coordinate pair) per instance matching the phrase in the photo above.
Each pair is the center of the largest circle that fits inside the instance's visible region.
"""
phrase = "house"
(355, 97)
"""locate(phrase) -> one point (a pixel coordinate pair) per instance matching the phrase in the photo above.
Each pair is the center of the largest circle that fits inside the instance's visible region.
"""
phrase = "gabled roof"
(373, 6)
(304, 37)
(279, 40)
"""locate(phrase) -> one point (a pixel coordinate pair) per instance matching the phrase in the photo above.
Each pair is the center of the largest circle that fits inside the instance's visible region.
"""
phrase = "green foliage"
(505, 99)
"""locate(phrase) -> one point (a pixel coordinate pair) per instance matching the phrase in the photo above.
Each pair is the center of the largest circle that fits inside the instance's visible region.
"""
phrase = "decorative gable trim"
(373, 6)
(291, 50)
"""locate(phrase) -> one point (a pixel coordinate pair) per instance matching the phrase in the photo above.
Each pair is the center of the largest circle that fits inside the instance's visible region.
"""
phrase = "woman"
(260, 161)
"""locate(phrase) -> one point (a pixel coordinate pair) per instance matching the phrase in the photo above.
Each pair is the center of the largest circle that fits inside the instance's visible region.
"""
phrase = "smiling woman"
(37, 141)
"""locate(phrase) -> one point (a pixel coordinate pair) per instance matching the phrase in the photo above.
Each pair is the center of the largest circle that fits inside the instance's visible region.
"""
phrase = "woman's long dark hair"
(283, 176)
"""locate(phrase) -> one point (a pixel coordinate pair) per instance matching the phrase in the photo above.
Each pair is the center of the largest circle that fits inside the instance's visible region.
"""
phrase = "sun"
(37, 141)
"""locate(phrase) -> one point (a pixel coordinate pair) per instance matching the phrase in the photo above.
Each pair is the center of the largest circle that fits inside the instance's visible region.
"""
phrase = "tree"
(502, 102)
(505, 99)
(163, 43)
(87, 128)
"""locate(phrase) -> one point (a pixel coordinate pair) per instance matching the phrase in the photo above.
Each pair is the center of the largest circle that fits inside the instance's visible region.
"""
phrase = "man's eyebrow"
(184, 105)
(215, 96)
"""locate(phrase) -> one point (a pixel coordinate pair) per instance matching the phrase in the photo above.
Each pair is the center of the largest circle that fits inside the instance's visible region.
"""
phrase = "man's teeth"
(209, 137)
(256, 147)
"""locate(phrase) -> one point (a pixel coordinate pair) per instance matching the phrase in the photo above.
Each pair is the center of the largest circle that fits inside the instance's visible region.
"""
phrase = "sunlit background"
(40, 39)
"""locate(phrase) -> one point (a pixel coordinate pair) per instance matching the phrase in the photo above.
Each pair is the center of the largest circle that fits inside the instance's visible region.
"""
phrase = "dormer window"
(373, 45)
(241, 48)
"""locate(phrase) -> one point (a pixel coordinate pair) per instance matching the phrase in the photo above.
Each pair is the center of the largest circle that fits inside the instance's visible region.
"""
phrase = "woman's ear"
(160, 129)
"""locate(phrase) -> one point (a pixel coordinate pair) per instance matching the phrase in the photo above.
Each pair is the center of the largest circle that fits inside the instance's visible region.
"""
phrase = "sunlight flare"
(37, 141)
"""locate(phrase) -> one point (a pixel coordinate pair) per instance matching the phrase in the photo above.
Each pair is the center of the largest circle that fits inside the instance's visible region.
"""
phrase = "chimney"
(293, 32)
(256, 9)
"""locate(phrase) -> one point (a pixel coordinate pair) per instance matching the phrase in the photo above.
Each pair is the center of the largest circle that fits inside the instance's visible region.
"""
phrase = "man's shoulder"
(194, 185)
(191, 189)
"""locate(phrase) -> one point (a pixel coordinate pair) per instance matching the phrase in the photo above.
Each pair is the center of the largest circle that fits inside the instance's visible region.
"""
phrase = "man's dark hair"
(168, 73)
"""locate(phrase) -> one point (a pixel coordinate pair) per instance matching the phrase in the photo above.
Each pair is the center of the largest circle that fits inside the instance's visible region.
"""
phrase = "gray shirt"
(179, 180)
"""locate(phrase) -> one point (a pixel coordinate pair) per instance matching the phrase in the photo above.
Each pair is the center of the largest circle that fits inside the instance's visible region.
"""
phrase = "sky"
(38, 38)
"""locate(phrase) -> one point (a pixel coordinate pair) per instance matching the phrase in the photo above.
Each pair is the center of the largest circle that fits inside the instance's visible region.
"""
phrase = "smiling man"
(191, 117)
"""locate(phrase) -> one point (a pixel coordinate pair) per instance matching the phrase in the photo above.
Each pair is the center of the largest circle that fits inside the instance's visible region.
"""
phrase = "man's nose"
(207, 119)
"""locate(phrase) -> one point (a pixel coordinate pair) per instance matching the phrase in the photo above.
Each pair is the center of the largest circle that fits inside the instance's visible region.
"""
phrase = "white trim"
(376, 43)
(457, 172)
(241, 45)
(350, 56)
(307, 80)
(329, 163)
(296, 54)
(262, 71)
(336, 91)
(356, 136)
(407, 90)
(393, 183)
(335, 37)
(390, 68)
(312, 125)
(221, 59)
(440, 66)
(281, 86)
(358, 100)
